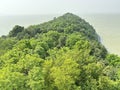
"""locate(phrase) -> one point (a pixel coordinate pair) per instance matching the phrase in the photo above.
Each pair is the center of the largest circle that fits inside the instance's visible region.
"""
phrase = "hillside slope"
(61, 54)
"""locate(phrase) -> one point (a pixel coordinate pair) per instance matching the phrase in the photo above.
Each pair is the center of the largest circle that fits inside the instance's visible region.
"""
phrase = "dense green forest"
(62, 54)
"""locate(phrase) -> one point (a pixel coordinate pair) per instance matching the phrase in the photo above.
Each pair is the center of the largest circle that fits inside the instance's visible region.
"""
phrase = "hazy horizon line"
(1, 14)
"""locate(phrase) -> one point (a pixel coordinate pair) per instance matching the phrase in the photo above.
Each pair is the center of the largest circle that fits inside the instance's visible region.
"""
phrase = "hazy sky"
(58, 6)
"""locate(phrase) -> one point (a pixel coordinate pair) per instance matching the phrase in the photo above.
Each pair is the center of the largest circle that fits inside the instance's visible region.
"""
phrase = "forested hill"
(68, 23)
(61, 54)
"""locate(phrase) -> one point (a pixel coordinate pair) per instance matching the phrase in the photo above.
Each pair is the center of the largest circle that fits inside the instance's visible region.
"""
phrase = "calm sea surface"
(107, 26)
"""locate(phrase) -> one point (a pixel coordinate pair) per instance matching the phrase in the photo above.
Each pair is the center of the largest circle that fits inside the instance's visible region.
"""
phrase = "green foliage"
(36, 79)
(16, 30)
(62, 54)
(11, 80)
(113, 60)
(6, 44)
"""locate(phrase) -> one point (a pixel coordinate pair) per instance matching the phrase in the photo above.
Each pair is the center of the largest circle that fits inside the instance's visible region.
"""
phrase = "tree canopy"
(62, 54)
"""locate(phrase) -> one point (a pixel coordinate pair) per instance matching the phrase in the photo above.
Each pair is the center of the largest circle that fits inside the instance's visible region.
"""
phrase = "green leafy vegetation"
(61, 54)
